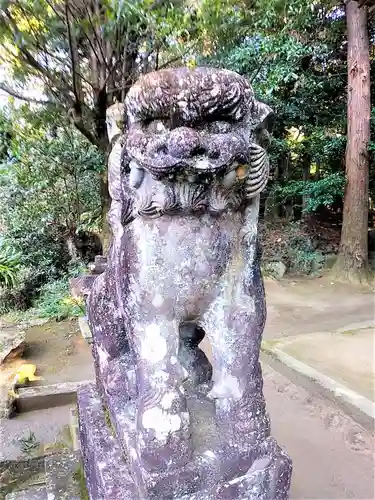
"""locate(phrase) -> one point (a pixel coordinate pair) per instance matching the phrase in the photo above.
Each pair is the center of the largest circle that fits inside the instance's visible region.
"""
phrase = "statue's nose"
(185, 142)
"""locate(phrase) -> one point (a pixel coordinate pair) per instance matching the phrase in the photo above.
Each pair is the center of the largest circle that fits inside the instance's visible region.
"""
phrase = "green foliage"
(52, 177)
(303, 258)
(10, 261)
(293, 245)
(294, 54)
(322, 192)
(306, 262)
(55, 302)
(49, 190)
(20, 295)
(29, 444)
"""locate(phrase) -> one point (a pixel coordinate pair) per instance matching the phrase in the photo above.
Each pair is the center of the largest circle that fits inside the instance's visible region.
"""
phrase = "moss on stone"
(108, 421)
(349, 332)
(79, 477)
(268, 345)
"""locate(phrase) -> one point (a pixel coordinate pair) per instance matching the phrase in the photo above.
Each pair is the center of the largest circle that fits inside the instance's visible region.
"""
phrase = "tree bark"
(352, 262)
(306, 164)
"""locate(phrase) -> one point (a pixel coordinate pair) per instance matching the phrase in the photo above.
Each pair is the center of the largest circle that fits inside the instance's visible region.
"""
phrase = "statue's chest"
(184, 256)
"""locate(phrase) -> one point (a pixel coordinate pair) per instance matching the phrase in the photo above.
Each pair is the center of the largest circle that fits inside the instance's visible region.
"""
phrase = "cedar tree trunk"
(352, 262)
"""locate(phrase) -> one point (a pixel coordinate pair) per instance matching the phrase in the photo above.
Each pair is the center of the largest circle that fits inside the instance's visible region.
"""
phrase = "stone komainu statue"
(185, 180)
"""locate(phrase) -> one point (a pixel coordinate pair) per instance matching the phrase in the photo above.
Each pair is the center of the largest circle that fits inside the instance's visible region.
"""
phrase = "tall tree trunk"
(306, 164)
(352, 262)
(101, 101)
(289, 205)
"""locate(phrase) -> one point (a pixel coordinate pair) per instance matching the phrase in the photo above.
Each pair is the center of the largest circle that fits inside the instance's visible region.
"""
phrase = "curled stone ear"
(263, 116)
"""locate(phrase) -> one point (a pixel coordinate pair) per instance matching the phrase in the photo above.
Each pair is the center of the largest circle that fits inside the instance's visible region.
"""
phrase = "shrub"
(20, 296)
(290, 244)
(318, 193)
(55, 302)
(305, 262)
(10, 261)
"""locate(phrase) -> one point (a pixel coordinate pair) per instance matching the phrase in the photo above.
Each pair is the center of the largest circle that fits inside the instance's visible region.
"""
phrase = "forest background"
(65, 62)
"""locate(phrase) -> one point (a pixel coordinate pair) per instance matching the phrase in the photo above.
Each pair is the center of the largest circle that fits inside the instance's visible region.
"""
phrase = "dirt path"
(313, 305)
(59, 352)
(333, 457)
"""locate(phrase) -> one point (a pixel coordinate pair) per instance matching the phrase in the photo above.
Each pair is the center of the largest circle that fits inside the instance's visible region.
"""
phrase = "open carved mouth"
(251, 168)
(197, 173)
(186, 151)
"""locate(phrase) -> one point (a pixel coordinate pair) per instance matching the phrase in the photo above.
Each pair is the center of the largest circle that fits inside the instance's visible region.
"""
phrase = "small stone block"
(99, 266)
(74, 429)
(33, 493)
(85, 328)
(60, 476)
(100, 260)
(81, 286)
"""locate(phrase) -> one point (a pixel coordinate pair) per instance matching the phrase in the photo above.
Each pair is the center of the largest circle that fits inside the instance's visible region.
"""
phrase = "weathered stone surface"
(107, 462)
(32, 493)
(12, 343)
(107, 475)
(267, 478)
(276, 269)
(185, 179)
(61, 473)
(8, 407)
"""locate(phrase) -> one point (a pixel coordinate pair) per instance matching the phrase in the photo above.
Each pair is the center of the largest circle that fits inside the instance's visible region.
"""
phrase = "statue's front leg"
(234, 325)
(162, 418)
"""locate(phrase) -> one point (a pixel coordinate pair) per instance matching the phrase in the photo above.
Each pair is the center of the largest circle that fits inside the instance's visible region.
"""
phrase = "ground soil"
(333, 457)
(59, 352)
(306, 305)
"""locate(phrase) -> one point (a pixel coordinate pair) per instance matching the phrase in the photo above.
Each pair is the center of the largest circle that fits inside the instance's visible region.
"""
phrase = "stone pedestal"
(162, 422)
(261, 471)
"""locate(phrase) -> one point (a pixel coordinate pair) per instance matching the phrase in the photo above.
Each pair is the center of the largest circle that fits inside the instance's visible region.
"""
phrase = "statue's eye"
(219, 127)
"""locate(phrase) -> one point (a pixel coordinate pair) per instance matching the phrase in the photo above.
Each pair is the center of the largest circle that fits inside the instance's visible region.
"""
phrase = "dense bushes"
(49, 199)
(55, 302)
(315, 193)
(296, 245)
(9, 264)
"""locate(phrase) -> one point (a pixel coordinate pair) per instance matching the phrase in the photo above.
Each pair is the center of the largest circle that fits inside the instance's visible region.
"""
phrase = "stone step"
(63, 472)
(32, 493)
(74, 428)
(47, 396)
